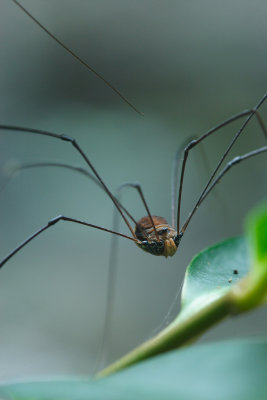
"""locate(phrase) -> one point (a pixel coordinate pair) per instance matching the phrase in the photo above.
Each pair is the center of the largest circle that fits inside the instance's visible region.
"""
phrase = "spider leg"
(174, 178)
(73, 142)
(44, 164)
(229, 165)
(249, 114)
(111, 281)
(138, 187)
(52, 222)
(79, 59)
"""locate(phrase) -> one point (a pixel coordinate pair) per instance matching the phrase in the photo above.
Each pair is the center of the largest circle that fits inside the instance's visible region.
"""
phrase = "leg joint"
(191, 145)
(67, 138)
(235, 160)
(54, 220)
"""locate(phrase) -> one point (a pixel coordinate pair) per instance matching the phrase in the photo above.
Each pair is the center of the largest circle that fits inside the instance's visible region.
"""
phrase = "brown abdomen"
(144, 224)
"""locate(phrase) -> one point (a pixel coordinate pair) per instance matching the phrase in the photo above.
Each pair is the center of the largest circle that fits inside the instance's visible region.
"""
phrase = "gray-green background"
(187, 65)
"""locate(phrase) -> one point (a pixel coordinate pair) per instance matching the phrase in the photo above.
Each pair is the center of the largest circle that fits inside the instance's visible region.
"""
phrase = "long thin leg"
(52, 222)
(175, 170)
(229, 165)
(137, 186)
(77, 57)
(174, 178)
(86, 159)
(221, 161)
(110, 294)
(11, 172)
(111, 279)
(249, 114)
(80, 170)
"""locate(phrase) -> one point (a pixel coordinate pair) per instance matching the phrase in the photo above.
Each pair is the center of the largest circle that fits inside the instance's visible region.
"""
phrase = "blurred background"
(187, 66)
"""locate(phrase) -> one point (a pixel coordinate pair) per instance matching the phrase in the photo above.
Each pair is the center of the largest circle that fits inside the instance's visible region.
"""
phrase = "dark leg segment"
(80, 170)
(249, 114)
(76, 57)
(230, 164)
(52, 222)
(81, 152)
(174, 179)
(111, 280)
(137, 186)
(112, 272)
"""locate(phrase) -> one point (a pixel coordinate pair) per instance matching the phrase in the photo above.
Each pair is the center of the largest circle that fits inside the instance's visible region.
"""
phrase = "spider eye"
(163, 230)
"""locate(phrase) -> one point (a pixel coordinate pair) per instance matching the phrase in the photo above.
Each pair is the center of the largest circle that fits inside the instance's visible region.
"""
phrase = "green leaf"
(257, 234)
(252, 291)
(214, 271)
(206, 300)
(232, 370)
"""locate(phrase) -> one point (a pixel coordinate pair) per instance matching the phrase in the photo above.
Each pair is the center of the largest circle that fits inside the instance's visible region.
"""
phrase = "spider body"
(167, 242)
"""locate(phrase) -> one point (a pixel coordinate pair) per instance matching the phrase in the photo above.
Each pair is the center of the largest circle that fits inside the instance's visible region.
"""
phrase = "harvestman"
(152, 233)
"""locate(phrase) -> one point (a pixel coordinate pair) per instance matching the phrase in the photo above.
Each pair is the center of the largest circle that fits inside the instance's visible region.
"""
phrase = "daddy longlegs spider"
(151, 233)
